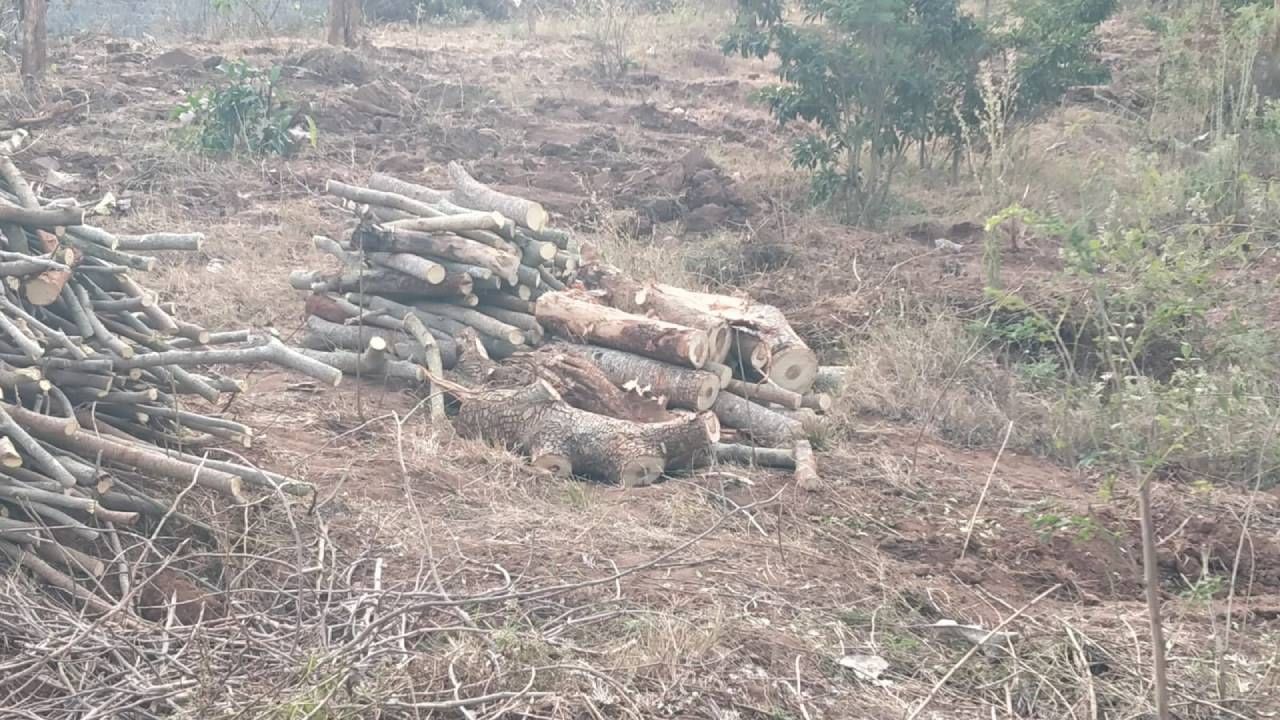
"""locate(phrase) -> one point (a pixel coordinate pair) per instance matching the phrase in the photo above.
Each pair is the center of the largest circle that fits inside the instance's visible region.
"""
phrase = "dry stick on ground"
(1151, 576)
(973, 650)
(973, 519)
(806, 467)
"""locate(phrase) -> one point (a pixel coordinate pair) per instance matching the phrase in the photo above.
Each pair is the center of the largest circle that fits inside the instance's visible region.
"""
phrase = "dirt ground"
(674, 161)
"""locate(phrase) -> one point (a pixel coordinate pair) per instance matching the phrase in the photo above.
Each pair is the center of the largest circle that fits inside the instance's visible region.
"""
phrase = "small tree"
(872, 76)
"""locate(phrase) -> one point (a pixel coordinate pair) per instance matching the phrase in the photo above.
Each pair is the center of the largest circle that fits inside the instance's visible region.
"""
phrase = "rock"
(658, 209)
(705, 218)
(176, 59)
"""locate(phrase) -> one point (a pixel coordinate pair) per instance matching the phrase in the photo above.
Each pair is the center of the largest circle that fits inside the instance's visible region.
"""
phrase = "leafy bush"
(872, 77)
(248, 114)
(1056, 47)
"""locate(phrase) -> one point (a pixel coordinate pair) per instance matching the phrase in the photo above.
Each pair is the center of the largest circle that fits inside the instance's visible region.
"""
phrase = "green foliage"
(1055, 47)
(248, 113)
(869, 78)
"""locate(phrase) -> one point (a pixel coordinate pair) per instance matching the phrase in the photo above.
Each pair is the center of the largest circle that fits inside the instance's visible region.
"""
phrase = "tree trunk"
(344, 22)
(681, 387)
(571, 315)
(34, 40)
(536, 421)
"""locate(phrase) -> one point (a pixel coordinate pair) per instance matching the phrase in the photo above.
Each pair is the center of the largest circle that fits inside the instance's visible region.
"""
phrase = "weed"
(248, 114)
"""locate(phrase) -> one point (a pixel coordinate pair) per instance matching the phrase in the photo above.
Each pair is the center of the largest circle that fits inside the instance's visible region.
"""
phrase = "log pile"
(93, 370)
(596, 374)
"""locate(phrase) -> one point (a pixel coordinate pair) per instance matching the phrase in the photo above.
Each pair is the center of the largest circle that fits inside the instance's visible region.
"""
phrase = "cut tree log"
(806, 467)
(572, 315)
(762, 425)
(484, 324)
(651, 299)
(469, 192)
(447, 247)
(680, 387)
(816, 401)
(412, 265)
(792, 365)
(765, 392)
(562, 439)
(581, 384)
(784, 458)
(491, 221)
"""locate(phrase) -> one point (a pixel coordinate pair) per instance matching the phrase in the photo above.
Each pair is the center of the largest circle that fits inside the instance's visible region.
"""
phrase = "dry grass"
(673, 601)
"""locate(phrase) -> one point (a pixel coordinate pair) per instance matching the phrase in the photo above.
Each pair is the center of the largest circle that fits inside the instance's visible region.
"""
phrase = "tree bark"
(485, 324)
(641, 298)
(447, 247)
(571, 315)
(762, 425)
(765, 392)
(35, 50)
(784, 458)
(680, 387)
(581, 384)
(472, 193)
(344, 22)
(806, 467)
(792, 364)
(563, 439)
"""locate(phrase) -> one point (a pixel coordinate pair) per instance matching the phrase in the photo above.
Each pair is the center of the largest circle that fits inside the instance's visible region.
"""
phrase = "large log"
(473, 194)
(792, 364)
(562, 439)
(681, 387)
(647, 298)
(572, 316)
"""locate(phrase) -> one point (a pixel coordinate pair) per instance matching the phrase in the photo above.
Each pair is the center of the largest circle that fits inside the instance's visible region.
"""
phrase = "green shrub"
(249, 113)
(872, 77)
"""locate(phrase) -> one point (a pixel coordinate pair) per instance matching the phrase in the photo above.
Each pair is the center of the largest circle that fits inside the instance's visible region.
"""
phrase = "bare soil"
(674, 160)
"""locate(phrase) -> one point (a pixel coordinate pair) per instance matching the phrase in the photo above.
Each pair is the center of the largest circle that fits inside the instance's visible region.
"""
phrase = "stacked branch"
(95, 373)
(582, 349)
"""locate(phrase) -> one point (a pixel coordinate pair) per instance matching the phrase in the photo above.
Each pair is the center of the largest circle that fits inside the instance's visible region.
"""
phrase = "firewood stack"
(92, 370)
(601, 375)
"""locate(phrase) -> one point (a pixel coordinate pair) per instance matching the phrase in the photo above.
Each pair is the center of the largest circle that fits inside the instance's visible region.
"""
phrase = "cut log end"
(708, 391)
(640, 471)
(794, 368)
(554, 463)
